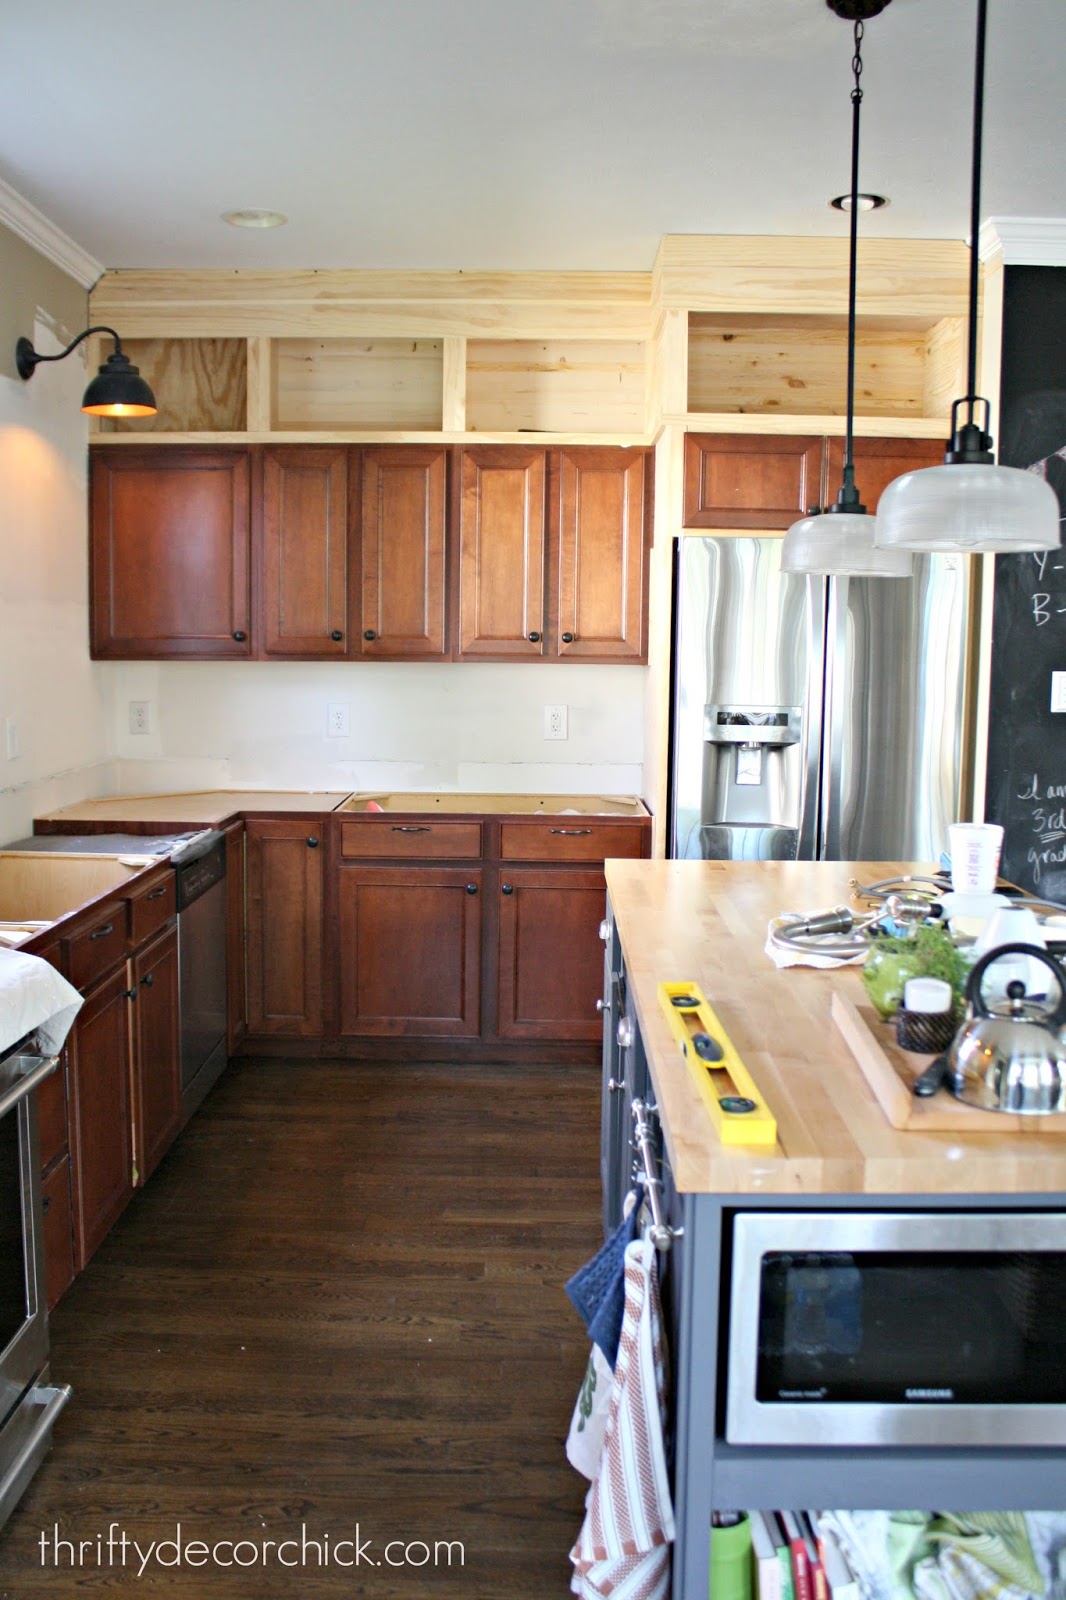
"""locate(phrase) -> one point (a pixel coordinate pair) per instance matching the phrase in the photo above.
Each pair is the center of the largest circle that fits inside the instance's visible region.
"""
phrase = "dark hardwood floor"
(337, 1305)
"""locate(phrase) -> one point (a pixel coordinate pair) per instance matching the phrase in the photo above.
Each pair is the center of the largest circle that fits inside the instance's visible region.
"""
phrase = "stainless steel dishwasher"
(200, 868)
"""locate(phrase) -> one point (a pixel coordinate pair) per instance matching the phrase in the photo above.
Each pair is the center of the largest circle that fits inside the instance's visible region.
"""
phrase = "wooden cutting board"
(890, 1072)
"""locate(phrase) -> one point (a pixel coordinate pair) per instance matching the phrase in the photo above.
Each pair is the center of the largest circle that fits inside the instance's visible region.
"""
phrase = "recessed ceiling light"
(254, 219)
(867, 202)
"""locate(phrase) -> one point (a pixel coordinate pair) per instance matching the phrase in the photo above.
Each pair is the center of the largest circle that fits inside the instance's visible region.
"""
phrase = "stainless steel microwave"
(897, 1328)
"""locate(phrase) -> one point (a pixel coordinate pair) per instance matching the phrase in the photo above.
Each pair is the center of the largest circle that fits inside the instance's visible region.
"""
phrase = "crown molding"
(33, 226)
(1024, 241)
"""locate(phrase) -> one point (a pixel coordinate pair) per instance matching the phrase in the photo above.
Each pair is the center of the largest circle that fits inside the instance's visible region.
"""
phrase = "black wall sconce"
(118, 390)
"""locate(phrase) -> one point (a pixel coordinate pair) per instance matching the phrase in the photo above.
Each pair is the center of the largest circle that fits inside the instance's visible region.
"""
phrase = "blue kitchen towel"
(597, 1291)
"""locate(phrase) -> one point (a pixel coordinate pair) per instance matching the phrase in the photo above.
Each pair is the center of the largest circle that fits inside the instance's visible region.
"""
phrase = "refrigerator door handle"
(810, 841)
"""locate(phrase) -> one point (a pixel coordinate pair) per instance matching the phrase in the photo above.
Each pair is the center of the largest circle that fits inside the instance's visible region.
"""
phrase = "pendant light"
(970, 504)
(840, 541)
(118, 390)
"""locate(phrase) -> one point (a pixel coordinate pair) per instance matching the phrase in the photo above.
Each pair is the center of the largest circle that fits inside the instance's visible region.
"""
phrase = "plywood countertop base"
(705, 922)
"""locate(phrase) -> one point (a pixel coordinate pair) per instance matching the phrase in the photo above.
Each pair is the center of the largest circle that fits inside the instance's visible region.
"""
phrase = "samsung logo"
(929, 1394)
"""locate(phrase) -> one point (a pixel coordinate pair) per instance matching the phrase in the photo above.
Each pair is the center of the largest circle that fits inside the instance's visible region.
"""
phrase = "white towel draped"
(623, 1549)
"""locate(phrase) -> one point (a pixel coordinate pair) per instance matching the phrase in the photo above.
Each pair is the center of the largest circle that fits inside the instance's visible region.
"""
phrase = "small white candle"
(927, 995)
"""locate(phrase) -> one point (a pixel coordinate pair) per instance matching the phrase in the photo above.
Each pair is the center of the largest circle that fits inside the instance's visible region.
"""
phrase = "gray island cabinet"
(836, 1156)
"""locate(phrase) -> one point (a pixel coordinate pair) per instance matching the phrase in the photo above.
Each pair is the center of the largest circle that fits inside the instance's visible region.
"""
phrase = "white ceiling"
(509, 134)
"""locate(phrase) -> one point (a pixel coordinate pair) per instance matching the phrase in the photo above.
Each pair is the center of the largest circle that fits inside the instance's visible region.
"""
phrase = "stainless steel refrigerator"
(814, 718)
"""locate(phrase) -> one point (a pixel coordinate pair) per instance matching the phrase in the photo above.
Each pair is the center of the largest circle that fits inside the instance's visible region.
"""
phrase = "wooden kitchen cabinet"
(236, 975)
(55, 1176)
(283, 886)
(169, 553)
(303, 562)
(502, 552)
(156, 1052)
(604, 512)
(550, 970)
(401, 494)
(100, 1131)
(751, 480)
(410, 950)
(877, 462)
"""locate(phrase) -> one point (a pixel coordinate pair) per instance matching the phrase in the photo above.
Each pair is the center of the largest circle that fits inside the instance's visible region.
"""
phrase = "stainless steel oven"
(29, 1404)
(897, 1328)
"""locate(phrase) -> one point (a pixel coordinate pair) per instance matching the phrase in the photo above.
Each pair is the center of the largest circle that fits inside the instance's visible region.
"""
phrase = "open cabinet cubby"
(200, 385)
(797, 366)
(559, 386)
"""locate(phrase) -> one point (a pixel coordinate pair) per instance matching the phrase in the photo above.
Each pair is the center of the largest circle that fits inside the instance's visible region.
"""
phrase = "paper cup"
(974, 848)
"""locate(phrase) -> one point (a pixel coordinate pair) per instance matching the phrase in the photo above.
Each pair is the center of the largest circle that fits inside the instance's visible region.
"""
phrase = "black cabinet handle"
(336, 636)
(568, 638)
(507, 888)
(533, 637)
(239, 635)
(148, 979)
(471, 888)
(814, 511)
(411, 827)
(131, 994)
(102, 933)
(46, 1203)
(312, 842)
(156, 894)
(368, 633)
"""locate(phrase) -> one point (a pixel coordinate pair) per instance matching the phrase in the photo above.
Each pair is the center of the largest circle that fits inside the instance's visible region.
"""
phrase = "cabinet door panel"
(501, 552)
(551, 958)
(410, 951)
(305, 552)
(58, 1239)
(750, 480)
(402, 563)
(602, 513)
(877, 462)
(169, 538)
(156, 1053)
(284, 893)
(100, 1114)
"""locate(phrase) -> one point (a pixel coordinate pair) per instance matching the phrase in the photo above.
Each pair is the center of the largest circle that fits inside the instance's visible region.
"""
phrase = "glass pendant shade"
(840, 544)
(969, 508)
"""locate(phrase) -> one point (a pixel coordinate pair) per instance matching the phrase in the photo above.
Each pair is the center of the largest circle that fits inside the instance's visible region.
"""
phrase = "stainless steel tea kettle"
(1012, 1058)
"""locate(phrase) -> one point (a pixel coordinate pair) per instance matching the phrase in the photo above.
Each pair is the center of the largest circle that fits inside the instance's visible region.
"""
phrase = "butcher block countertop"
(705, 922)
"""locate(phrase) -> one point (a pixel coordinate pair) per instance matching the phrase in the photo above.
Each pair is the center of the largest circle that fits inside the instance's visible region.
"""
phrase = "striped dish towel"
(623, 1549)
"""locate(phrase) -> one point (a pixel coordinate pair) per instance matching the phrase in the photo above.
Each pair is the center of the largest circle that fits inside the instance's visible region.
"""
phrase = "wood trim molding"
(1024, 241)
(34, 227)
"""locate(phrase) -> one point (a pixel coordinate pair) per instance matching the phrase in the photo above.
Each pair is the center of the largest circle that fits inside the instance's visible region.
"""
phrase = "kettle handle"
(977, 972)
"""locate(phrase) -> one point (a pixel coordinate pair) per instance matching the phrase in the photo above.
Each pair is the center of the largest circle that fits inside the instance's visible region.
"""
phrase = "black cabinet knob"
(471, 888)
(368, 633)
(46, 1204)
(814, 511)
(239, 635)
(507, 888)
(312, 842)
(148, 979)
(533, 637)
(568, 638)
(336, 636)
(131, 994)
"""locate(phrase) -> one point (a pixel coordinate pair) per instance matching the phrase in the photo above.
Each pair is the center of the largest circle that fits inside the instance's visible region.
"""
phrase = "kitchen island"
(836, 1154)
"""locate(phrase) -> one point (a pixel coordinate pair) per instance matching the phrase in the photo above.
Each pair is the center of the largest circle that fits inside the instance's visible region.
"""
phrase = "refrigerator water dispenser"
(752, 782)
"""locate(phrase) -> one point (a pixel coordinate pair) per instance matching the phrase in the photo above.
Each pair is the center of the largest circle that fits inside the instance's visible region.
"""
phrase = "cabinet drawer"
(52, 1114)
(152, 909)
(437, 841)
(569, 839)
(97, 946)
(58, 1237)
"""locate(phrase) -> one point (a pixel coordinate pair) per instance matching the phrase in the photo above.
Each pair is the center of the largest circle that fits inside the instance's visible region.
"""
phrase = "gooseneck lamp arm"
(118, 390)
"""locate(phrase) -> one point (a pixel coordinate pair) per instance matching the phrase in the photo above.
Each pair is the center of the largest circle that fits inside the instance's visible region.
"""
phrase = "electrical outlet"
(140, 716)
(1058, 691)
(555, 722)
(11, 739)
(337, 720)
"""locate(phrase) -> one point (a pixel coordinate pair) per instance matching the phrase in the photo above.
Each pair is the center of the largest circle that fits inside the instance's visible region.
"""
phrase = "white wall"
(49, 689)
(458, 726)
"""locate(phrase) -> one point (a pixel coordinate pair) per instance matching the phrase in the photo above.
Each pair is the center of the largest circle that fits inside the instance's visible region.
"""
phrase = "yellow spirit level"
(738, 1110)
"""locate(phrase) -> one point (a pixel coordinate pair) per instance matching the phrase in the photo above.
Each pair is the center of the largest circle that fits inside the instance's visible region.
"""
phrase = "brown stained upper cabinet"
(169, 553)
(877, 462)
(400, 492)
(304, 558)
(502, 550)
(604, 505)
(739, 480)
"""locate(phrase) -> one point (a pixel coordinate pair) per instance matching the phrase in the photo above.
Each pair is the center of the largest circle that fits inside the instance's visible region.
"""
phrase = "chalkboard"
(1026, 788)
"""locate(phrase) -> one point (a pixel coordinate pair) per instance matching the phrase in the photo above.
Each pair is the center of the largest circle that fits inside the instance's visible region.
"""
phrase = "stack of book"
(795, 1559)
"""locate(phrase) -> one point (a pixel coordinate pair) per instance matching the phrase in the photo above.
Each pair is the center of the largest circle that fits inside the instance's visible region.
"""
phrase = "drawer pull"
(507, 888)
(571, 833)
(46, 1204)
(533, 638)
(240, 635)
(568, 638)
(156, 894)
(102, 933)
(131, 994)
(368, 633)
(148, 979)
(312, 843)
(411, 827)
(471, 888)
(336, 635)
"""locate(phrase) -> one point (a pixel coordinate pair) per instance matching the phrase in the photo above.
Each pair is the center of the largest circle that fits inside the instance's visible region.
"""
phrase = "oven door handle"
(57, 1398)
(26, 1084)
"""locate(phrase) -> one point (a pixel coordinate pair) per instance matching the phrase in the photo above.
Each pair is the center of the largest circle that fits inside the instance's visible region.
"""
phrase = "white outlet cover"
(1058, 691)
(337, 720)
